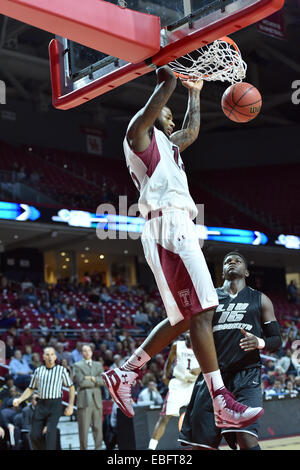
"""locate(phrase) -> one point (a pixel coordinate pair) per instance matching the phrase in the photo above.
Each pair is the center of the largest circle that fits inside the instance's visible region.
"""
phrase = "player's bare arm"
(138, 134)
(168, 365)
(191, 123)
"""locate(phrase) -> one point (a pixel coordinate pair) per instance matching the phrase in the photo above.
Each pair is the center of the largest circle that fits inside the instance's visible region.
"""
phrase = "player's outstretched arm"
(138, 135)
(191, 123)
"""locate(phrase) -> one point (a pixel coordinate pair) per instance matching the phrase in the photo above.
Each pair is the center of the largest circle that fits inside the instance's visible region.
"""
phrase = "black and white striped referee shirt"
(49, 381)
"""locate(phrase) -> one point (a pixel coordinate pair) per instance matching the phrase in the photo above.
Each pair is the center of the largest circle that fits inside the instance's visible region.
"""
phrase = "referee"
(49, 380)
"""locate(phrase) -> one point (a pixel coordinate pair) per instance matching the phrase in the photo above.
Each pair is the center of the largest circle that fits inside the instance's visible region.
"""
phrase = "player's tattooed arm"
(191, 123)
(138, 130)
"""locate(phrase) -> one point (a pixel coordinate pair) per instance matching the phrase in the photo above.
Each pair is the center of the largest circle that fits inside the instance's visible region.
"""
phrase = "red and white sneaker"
(231, 414)
(119, 383)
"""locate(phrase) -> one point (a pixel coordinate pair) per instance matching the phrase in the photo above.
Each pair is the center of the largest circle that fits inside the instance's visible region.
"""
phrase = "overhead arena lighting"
(122, 224)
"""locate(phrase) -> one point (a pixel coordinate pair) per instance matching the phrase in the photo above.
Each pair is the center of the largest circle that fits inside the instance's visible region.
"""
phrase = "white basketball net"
(217, 61)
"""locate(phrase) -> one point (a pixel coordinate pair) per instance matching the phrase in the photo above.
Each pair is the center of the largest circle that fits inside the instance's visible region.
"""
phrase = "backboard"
(80, 73)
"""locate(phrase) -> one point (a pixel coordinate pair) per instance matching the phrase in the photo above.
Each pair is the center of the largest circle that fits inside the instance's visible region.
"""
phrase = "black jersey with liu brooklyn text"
(232, 314)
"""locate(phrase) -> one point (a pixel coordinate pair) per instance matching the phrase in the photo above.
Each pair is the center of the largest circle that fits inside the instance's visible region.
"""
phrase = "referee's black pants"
(46, 413)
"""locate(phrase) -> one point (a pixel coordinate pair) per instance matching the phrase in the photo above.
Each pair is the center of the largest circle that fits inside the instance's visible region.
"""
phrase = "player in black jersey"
(243, 323)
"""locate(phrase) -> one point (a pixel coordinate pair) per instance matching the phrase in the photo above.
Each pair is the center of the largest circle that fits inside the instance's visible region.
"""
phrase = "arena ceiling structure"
(271, 54)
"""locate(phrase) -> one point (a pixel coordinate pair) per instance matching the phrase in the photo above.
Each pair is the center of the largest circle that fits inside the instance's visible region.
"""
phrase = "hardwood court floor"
(282, 443)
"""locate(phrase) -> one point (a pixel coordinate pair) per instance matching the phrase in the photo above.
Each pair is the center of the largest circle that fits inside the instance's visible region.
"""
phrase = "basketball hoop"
(220, 60)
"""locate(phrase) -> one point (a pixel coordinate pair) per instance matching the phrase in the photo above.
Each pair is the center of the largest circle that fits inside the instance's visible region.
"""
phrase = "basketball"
(241, 102)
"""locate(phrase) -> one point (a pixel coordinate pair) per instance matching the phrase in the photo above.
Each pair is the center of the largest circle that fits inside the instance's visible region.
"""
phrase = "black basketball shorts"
(199, 427)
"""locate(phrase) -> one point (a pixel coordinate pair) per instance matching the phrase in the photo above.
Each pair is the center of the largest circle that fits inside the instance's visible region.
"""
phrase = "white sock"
(153, 444)
(213, 381)
(137, 360)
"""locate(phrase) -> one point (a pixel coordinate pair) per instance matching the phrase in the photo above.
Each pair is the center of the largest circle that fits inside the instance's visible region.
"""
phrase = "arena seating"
(263, 190)
(237, 197)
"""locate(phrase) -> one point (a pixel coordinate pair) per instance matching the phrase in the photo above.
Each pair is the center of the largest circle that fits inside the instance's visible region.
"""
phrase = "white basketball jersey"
(159, 175)
(185, 361)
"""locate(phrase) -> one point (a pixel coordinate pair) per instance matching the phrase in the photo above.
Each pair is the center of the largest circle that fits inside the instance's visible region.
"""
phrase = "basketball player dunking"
(172, 249)
(243, 317)
(185, 372)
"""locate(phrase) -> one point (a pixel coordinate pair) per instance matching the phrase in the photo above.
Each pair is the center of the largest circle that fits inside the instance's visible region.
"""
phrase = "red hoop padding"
(120, 32)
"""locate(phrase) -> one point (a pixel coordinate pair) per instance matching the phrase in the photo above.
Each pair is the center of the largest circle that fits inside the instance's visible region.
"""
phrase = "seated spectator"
(61, 353)
(124, 334)
(69, 311)
(150, 395)
(56, 326)
(20, 370)
(9, 347)
(43, 327)
(84, 337)
(27, 354)
(106, 297)
(9, 318)
(141, 320)
(127, 323)
(52, 341)
(7, 402)
(44, 307)
(108, 359)
(26, 337)
(290, 389)
(297, 383)
(96, 339)
(13, 332)
(130, 302)
(26, 422)
(102, 350)
(155, 318)
(61, 338)
(109, 341)
(126, 348)
(277, 389)
(9, 413)
(30, 296)
(58, 313)
(292, 330)
(84, 313)
(4, 390)
(40, 345)
(117, 323)
(76, 355)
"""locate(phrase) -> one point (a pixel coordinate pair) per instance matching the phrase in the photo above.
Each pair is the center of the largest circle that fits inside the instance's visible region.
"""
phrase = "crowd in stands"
(71, 179)
(114, 320)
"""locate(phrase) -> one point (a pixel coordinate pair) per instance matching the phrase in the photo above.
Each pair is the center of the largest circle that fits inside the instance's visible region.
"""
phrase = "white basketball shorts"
(172, 250)
(179, 395)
